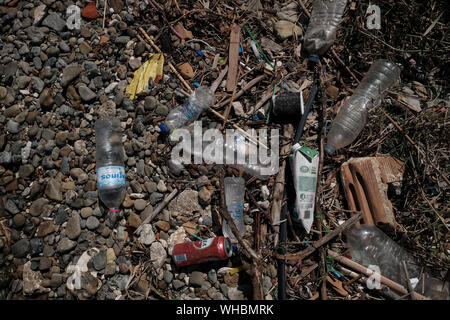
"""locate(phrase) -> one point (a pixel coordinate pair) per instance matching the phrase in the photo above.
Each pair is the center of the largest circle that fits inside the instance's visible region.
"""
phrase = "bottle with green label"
(304, 163)
(109, 161)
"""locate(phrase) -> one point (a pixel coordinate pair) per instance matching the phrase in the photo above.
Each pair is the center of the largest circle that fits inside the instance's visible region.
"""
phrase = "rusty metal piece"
(365, 183)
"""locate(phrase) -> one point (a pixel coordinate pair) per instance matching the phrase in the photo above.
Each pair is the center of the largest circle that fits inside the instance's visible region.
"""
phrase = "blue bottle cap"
(164, 128)
(329, 149)
(313, 58)
(234, 247)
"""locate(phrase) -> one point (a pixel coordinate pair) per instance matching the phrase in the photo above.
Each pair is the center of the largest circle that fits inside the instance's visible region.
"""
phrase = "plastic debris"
(152, 68)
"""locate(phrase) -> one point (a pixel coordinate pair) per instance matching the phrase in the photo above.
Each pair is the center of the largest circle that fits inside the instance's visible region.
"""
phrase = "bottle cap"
(329, 149)
(164, 128)
(313, 58)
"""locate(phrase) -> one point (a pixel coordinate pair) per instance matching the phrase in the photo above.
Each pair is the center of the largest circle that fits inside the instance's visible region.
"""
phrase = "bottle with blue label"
(189, 111)
(234, 201)
(110, 168)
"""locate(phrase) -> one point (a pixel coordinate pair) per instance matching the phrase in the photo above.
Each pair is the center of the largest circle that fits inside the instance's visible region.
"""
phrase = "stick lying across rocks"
(157, 210)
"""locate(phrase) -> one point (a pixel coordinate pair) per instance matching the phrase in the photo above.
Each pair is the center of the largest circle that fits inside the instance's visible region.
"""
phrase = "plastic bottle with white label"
(372, 248)
(189, 111)
(234, 201)
(111, 182)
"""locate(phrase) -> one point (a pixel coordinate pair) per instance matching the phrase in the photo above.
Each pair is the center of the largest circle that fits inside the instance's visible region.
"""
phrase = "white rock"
(177, 237)
(238, 109)
(161, 186)
(158, 254)
(147, 235)
(286, 29)
(265, 192)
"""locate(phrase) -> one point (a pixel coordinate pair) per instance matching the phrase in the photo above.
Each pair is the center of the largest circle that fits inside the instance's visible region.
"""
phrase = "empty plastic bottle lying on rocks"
(372, 248)
(110, 168)
(189, 111)
(352, 117)
(321, 31)
(234, 201)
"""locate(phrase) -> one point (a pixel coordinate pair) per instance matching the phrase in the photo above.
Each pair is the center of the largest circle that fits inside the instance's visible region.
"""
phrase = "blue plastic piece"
(196, 84)
(164, 128)
(200, 53)
(255, 117)
(240, 49)
(313, 58)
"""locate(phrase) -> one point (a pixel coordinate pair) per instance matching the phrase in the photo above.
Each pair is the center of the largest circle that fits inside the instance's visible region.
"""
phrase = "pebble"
(73, 227)
(20, 248)
(86, 94)
(196, 279)
(65, 245)
(147, 236)
(157, 254)
(140, 204)
(92, 223)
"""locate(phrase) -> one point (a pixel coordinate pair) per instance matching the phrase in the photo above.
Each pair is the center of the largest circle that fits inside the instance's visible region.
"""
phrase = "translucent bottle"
(189, 111)
(235, 154)
(110, 168)
(321, 32)
(352, 117)
(234, 201)
(372, 248)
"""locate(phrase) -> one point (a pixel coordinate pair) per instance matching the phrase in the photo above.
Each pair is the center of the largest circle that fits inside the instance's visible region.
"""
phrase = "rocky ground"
(54, 84)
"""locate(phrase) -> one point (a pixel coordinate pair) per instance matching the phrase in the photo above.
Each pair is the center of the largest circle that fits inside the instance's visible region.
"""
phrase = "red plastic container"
(211, 249)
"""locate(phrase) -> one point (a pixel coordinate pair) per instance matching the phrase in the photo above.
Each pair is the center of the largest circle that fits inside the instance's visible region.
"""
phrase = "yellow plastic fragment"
(152, 68)
(234, 270)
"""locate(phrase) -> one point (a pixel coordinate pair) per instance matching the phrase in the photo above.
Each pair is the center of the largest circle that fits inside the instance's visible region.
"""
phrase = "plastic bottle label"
(236, 211)
(110, 176)
(190, 112)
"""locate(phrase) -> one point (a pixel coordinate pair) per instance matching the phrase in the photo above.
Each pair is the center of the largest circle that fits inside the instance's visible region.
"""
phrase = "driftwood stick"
(277, 204)
(368, 272)
(408, 282)
(242, 91)
(314, 246)
(157, 210)
(217, 82)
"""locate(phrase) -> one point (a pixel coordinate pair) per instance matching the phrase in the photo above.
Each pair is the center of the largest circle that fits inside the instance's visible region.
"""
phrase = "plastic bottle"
(110, 168)
(234, 200)
(189, 111)
(231, 153)
(321, 32)
(369, 246)
(352, 117)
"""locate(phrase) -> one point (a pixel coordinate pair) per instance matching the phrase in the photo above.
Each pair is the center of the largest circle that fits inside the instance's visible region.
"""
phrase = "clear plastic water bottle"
(234, 200)
(352, 117)
(321, 31)
(369, 246)
(189, 111)
(235, 154)
(110, 168)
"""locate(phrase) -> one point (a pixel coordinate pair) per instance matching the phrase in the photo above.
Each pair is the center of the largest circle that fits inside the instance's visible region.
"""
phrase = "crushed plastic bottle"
(372, 248)
(234, 201)
(109, 160)
(352, 117)
(189, 111)
(235, 154)
(321, 31)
